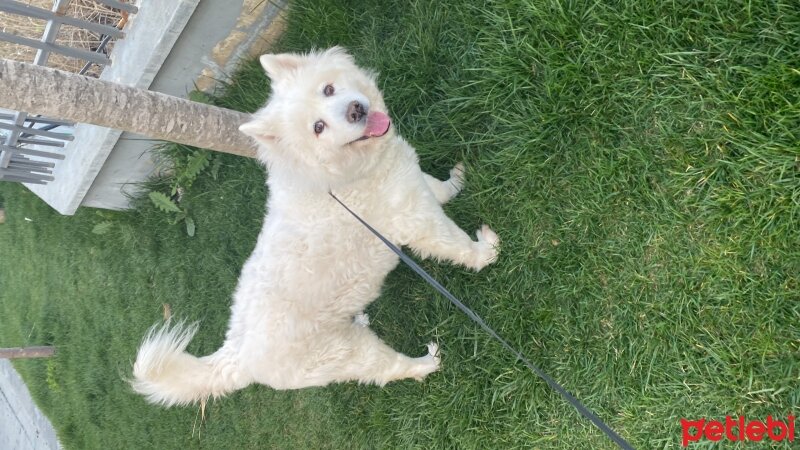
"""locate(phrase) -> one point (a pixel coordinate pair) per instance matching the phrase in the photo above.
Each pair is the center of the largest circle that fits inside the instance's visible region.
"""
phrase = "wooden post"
(27, 352)
(76, 98)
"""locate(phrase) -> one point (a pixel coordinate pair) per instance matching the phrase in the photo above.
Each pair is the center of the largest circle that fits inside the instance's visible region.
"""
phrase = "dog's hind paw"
(361, 319)
(488, 247)
(457, 176)
(429, 363)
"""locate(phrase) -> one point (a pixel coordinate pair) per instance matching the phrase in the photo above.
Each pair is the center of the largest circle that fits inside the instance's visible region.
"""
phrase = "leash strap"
(586, 412)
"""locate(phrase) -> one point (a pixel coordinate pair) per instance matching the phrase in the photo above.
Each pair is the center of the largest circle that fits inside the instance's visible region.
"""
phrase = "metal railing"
(18, 161)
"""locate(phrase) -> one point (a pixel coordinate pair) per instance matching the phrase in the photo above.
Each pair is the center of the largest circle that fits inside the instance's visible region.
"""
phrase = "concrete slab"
(137, 59)
(23, 426)
(171, 46)
(131, 161)
(215, 39)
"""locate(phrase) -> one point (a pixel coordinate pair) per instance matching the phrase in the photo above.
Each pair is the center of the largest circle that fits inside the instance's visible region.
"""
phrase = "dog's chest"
(322, 240)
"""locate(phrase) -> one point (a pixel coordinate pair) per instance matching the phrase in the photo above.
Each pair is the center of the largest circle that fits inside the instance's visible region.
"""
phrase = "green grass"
(640, 161)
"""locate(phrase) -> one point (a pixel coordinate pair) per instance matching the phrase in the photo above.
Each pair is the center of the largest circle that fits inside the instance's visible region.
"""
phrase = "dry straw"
(68, 35)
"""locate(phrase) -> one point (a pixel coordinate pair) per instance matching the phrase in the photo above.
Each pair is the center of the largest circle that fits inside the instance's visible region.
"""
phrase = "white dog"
(297, 316)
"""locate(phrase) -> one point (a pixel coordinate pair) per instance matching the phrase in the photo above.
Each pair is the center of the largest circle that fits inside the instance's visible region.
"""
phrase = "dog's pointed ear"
(257, 130)
(277, 65)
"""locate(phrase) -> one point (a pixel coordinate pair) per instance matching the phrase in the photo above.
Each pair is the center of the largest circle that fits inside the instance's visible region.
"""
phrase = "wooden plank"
(11, 140)
(51, 31)
(30, 151)
(26, 173)
(27, 352)
(21, 179)
(21, 160)
(43, 142)
(49, 121)
(22, 168)
(55, 48)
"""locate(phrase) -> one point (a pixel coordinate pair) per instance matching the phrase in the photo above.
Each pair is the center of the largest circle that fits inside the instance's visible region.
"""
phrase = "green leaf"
(163, 202)
(201, 97)
(197, 162)
(102, 227)
(190, 228)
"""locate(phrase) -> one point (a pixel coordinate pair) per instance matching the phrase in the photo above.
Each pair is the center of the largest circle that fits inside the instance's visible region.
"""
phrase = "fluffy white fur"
(297, 316)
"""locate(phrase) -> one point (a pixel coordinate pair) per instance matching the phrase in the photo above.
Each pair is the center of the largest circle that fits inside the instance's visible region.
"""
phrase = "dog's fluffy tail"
(165, 374)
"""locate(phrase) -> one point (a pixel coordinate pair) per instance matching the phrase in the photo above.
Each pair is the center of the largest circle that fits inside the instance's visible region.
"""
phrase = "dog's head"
(324, 121)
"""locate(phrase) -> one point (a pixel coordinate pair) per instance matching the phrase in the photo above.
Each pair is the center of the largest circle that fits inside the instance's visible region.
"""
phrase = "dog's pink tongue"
(378, 124)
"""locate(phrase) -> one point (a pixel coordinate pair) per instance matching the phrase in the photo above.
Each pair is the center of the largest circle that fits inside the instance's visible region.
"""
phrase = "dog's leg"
(441, 238)
(446, 190)
(368, 359)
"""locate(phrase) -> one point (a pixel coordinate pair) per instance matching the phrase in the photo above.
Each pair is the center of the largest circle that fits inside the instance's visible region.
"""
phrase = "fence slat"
(14, 165)
(11, 140)
(22, 161)
(33, 171)
(55, 48)
(51, 31)
(49, 121)
(31, 180)
(39, 119)
(99, 49)
(44, 14)
(31, 168)
(40, 173)
(30, 151)
(17, 121)
(37, 132)
(43, 142)
(31, 163)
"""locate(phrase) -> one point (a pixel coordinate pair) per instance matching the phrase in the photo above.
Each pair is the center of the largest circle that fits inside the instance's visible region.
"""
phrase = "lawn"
(640, 161)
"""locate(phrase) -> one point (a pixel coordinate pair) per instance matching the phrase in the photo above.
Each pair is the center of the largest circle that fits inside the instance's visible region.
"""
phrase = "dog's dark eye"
(319, 127)
(328, 90)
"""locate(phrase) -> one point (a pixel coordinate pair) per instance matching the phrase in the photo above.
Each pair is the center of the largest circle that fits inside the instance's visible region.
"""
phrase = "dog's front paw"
(433, 350)
(429, 363)
(457, 177)
(488, 246)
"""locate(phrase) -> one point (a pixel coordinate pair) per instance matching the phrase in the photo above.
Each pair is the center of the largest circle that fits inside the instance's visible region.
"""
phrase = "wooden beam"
(27, 352)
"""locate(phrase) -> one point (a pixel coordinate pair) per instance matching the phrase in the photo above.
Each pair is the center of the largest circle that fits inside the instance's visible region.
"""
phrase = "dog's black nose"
(355, 112)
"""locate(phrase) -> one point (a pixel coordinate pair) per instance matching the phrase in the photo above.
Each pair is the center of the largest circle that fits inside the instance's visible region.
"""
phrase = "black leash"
(586, 412)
